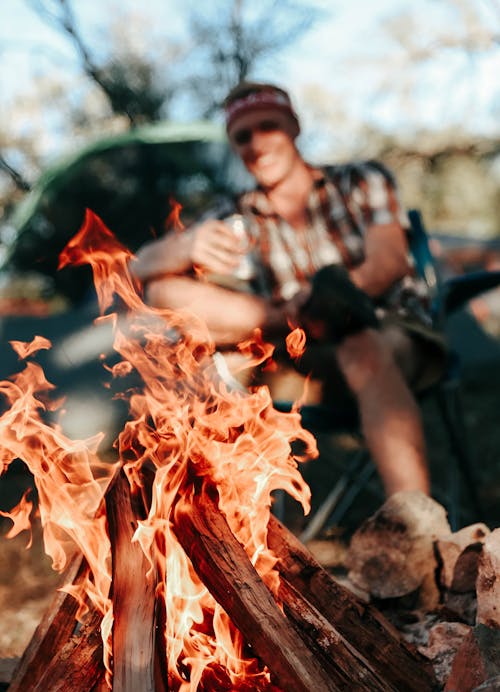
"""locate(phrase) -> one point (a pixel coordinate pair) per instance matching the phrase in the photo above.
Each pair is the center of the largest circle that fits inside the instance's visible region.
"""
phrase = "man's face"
(265, 141)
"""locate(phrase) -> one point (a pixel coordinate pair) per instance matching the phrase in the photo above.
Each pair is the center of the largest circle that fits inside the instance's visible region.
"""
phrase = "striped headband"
(258, 100)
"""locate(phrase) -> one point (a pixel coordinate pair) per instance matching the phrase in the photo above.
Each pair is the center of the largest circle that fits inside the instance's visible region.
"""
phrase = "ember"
(177, 570)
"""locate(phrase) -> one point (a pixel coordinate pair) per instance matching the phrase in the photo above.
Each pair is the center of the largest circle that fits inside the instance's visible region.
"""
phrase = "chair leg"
(342, 495)
(366, 474)
(450, 404)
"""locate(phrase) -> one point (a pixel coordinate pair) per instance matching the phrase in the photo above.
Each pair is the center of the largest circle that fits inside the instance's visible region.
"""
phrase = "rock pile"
(441, 589)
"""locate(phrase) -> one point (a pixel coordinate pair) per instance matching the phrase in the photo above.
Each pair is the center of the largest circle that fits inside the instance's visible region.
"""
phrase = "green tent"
(131, 181)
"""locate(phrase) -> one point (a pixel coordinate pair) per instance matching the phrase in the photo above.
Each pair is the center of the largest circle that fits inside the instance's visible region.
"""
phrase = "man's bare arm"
(386, 259)
(163, 256)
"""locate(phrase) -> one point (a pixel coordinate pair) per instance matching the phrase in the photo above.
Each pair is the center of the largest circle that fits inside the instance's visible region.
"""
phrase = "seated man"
(331, 255)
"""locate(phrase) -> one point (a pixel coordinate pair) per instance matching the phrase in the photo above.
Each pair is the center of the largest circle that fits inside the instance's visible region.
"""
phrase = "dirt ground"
(27, 582)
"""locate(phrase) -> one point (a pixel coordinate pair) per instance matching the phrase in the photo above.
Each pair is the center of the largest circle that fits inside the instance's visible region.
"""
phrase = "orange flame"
(186, 424)
(174, 218)
(296, 343)
(24, 350)
(69, 478)
(20, 517)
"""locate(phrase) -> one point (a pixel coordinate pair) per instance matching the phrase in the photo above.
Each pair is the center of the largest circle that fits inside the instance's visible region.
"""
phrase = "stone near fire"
(488, 582)
(476, 661)
(459, 553)
(392, 553)
(490, 685)
(445, 638)
(460, 606)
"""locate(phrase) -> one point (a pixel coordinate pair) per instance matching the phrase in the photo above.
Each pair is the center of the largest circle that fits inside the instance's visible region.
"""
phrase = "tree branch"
(18, 179)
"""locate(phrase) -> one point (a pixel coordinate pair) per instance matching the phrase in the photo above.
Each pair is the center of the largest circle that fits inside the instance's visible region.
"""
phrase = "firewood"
(362, 625)
(335, 655)
(75, 666)
(78, 665)
(328, 640)
(58, 632)
(54, 630)
(224, 567)
(133, 595)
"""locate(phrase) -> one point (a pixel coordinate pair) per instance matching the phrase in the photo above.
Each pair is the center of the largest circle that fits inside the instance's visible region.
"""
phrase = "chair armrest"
(457, 290)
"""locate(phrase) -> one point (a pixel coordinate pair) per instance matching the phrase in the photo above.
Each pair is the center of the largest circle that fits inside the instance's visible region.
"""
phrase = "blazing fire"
(186, 430)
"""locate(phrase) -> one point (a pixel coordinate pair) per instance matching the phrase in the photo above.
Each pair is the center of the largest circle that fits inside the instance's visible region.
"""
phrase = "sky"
(359, 58)
(349, 54)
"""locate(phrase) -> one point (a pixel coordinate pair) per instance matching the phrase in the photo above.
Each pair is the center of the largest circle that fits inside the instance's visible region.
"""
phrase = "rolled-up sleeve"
(375, 196)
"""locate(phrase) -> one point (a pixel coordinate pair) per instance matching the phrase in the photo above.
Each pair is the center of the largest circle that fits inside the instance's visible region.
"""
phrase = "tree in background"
(469, 31)
(131, 79)
(459, 174)
(234, 39)
(131, 84)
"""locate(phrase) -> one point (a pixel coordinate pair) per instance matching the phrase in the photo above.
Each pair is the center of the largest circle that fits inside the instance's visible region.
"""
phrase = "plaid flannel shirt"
(344, 202)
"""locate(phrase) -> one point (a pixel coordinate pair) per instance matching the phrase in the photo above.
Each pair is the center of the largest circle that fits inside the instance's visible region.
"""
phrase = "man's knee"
(362, 357)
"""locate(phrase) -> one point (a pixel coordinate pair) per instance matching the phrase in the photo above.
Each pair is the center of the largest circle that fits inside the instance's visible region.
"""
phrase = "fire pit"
(178, 576)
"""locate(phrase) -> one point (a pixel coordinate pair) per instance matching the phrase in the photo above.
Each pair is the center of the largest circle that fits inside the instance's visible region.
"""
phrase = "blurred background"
(113, 105)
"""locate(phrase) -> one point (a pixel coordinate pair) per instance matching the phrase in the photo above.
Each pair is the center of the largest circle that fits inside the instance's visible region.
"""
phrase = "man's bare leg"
(390, 416)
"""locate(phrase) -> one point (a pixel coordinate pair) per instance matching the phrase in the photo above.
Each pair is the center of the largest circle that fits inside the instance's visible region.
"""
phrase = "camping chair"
(446, 296)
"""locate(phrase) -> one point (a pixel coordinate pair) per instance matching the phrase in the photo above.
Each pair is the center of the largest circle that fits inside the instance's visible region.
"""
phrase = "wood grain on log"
(53, 632)
(295, 661)
(333, 653)
(328, 639)
(359, 623)
(133, 595)
(224, 567)
(76, 665)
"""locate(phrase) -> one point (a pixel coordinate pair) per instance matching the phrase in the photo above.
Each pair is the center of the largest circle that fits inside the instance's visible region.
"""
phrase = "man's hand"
(336, 306)
(211, 246)
(214, 248)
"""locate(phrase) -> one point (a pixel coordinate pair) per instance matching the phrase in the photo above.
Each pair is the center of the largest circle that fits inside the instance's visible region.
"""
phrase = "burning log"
(302, 648)
(184, 429)
(63, 655)
(335, 655)
(225, 569)
(362, 625)
(133, 595)
(77, 665)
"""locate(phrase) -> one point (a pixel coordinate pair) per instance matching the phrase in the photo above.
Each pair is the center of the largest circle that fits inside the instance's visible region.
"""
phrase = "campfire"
(178, 576)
